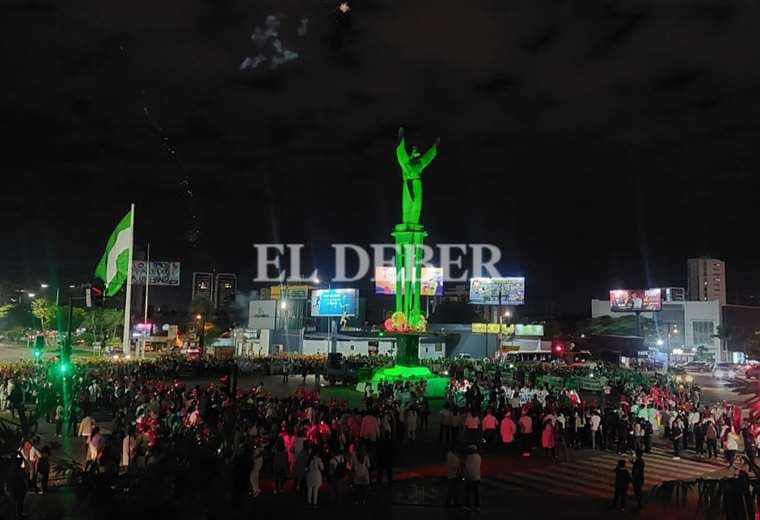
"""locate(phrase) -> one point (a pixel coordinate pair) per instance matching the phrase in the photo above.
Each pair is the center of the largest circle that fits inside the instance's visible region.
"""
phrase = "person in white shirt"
(732, 446)
(454, 475)
(595, 422)
(314, 469)
(34, 458)
(472, 478)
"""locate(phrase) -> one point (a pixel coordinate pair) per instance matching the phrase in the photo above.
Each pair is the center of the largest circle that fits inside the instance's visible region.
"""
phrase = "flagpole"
(128, 303)
(147, 287)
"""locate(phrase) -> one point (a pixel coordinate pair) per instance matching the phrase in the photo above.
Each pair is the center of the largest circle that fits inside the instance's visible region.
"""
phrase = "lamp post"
(201, 319)
(506, 315)
(672, 329)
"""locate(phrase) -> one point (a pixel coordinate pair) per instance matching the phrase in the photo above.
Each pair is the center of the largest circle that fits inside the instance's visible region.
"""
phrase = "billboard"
(486, 291)
(292, 292)
(529, 330)
(431, 283)
(161, 273)
(262, 314)
(509, 329)
(636, 300)
(334, 302)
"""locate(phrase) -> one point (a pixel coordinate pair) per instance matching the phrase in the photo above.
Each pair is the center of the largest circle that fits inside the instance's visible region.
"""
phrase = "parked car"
(724, 371)
(696, 366)
(339, 369)
(753, 372)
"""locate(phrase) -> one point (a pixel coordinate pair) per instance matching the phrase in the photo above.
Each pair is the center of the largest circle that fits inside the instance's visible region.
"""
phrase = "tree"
(5, 310)
(724, 334)
(104, 323)
(44, 310)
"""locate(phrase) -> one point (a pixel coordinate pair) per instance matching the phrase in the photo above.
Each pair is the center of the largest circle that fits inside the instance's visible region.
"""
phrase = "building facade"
(225, 289)
(673, 294)
(219, 288)
(681, 325)
(707, 280)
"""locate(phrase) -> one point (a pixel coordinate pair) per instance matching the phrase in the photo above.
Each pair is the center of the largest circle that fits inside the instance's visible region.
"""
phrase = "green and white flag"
(114, 266)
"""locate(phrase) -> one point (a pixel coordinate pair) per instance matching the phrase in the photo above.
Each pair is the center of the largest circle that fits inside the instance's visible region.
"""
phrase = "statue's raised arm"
(428, 157)
(401, 155)
(411, 172)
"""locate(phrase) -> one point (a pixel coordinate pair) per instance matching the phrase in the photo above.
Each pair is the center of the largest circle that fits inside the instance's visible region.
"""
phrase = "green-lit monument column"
(409, 237)
(407, 322)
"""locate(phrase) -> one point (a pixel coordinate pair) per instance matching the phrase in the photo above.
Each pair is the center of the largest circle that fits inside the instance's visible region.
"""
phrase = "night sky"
(599, 144)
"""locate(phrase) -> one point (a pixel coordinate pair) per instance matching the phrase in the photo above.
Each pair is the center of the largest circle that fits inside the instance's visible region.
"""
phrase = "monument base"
(407, 350)
(435, 385)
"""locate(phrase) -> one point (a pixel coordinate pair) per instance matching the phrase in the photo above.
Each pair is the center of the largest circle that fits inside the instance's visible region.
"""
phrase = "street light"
(31, 295)
(43, 286)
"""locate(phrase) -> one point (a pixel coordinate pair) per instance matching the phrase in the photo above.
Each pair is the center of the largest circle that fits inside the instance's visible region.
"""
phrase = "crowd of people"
(300, 441)
(304, 443)
(622, 416)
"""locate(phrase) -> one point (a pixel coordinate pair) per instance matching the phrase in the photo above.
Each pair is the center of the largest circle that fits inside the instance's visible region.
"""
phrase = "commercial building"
(225, 289)
(673, 294)
(680, 325)
(203, 285)
(219, 288)
(707, 280)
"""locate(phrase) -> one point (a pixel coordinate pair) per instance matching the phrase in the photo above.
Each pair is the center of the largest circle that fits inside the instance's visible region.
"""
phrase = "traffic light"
(39, 347)
(64, 368)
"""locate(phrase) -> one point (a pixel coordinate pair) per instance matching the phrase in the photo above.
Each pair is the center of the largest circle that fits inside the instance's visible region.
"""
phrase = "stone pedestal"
(408, 350)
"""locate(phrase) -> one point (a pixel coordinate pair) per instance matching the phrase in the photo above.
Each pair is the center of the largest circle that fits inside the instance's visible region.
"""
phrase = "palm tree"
(723, 334)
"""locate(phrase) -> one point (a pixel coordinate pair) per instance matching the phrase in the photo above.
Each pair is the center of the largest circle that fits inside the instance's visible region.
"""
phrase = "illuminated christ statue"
(411, 170)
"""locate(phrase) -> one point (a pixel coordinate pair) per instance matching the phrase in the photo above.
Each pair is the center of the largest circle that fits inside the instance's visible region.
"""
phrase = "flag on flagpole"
(114, 266)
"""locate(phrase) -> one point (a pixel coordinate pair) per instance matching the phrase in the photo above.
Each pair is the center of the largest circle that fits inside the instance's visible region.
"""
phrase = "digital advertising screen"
(489, 291)
(161, 273)
(636, 300)
(334, 302)
(431, 283)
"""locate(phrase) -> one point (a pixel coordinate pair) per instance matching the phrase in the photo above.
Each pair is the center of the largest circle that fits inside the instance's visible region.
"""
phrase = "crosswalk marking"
(594, 476)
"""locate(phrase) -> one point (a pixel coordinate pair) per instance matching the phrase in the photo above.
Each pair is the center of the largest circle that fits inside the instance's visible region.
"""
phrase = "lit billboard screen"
(487, 291)
(636, 300)
(334, 302)
(161, 273)
(431, 283)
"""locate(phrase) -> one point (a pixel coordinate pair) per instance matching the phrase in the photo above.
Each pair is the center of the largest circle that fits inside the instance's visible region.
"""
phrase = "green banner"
(592, 384)
(550, 381)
